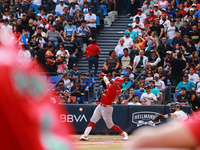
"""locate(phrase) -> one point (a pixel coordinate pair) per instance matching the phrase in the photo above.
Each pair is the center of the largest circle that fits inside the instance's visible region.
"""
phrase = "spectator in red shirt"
(151, 16)
(182, 11)
(163, 10)
(46, 26)
(92, 52)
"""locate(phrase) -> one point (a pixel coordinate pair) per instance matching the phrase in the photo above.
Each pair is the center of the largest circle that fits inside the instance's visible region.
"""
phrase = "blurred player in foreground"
(28, 119)
(176, 112)
(105, 109)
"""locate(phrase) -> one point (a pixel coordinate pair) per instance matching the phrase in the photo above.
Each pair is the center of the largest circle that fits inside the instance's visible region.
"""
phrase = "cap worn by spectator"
(24, 14)
(142, 77)
(181, 5)
(152, 51)
(85, 2)
(83, 21)
(155, 5)
(198, 21)
(17, 9)
(185, 75)
(89, 9)
(39, 34)
(45, 45)
(147, 87)
(126, 74)
(61, 0)
(57, 19)
(151, 81)
(130, 25)
(78, 81)
(151, 11)
(194, 5)
(11, 4)
(68, 35)
(12, 15)
(5, 20)
(83, 74)
(169, 52)
(109, 75)
(156, 19)
(27, 30)
(51, 45)
(192, 9)
(183, 88)
(169, 5)
(163, 9)
(53, 26)
(72, 3)
(44, 20)
(66, 91)
(172, 20)
(139, 9)
(6, 10)
(176, 9)
(126, 32)
(156, 75)
(75, 65)
(39, 14)
(186, 20)
(129, 67)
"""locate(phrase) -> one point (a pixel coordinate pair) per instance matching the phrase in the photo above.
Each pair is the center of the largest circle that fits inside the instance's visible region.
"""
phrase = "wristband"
(169, 115)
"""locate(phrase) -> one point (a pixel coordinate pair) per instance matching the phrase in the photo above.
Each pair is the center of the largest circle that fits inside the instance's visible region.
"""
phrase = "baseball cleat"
(125, 135)
(83, 138)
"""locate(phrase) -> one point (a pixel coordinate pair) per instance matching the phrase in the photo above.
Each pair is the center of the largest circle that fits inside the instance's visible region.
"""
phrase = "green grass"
(103, 148)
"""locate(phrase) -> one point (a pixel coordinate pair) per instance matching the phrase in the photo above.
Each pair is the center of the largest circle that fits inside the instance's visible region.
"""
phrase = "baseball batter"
(176, 112)
(104, 109)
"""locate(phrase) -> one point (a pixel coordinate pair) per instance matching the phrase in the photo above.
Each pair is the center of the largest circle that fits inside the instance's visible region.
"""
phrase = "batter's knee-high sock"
(89, 128)
(117, 129)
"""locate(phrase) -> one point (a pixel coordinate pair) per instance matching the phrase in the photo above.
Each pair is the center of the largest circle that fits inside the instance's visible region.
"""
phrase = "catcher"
(175, 112)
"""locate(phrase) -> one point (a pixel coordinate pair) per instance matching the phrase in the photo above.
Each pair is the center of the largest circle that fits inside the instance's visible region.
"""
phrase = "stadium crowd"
(163, 40)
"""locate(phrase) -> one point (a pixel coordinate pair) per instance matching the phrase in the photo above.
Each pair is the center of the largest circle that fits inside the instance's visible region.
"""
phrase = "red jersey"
(151, 18)
(184, 13)
(110, 94)
(92, 50)
(47, 26)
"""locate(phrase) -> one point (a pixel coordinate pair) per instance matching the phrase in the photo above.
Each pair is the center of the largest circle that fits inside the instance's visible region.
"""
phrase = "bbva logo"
(144, 118)
(72, 118)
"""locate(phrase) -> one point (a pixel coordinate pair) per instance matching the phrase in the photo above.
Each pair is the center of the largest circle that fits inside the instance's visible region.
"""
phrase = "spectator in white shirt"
(73, 9)
(138, 26)
(140, 62)
(120, 47)
(159, 84)
(171, 30)
(90, 19)
(6, 27)
(193, 76)
(60, 7)
(128, 42)
(141, 15)
(157, 12)
(165, 22)
(24, 54)
(148, 97)
(135, 100)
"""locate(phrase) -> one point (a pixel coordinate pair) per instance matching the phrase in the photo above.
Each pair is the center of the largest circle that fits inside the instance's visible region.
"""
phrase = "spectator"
(85, 83)
(73, 50)
(129, 69)
(178, 23)
(83, 32)
(125, 60)
(77, 90)
(190, 48)
(19, 25)
(24, 54)
(182, 98)
(140, 62)
(152, 16)
(90, 19)
(64, 55)
(135, 100)
(152, 40)
(24, 19)
(170, 11)
(41, 40)
(93, 51)
(66, 14)
(132, 33)
(85, 9)
(158, 28)
(61, 88)
(142, 83)
(193, 76)
(191, 12)
(152, 58)
(6, 27)
(162, 75)
(128, 42)
(195, 60)
(54, 36)
(195, 35)
(67, 97)
(165, 22)
(138, 26)
(127, 82)
(75, 74)
(78, 18)
(59, 26)
(154, 90)
(194, 101)
(147, 6)
(46, 26)
(182, 11)
(50, 19)
(189, 85)
(139, 43)
(149, 76)
(186, 28)
(129, 96)
(178, 39)
(177, 14)
(99, 93)
(42, 12)
(33, 45)
(157, 12)
(31, 27)
(59, 8)
(142, 17)
(120, 47)
(159, 61)
(164, 47)
(171, 30)
(70, 29)
(40, 55)
(73, 9)
(159, 84)
(162, 4)
(66, 80)
(30, 14)
(177, 68)
(191, 21)
(148, 97)
(186, 6)
(111, 64)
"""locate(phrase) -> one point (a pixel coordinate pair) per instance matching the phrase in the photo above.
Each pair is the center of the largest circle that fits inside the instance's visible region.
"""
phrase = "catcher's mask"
(173, 106)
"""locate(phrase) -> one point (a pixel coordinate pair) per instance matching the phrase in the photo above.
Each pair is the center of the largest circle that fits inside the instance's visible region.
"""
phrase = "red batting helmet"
(118, 80)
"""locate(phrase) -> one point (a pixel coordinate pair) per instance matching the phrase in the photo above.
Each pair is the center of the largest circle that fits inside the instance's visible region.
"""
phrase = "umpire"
(194, 100)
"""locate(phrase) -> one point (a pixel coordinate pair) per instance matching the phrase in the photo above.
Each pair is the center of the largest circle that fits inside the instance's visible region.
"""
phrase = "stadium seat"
(143, 103)
(169, 41)
(138, 93)
(54, 79)
(98, 21)
(104, 8)
(73, 99)
(124, 103)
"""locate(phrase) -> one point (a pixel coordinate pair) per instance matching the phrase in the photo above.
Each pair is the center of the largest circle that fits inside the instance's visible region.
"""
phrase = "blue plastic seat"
(104, 8)
(169, 41)
(54, 79)
(97, 21)
(138, 93)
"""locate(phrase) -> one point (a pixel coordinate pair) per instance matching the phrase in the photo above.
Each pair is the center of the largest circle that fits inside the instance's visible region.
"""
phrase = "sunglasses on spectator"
(61, 47)
(61, 84)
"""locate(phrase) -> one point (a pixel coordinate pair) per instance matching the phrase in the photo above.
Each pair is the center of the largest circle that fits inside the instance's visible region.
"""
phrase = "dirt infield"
(100, 141)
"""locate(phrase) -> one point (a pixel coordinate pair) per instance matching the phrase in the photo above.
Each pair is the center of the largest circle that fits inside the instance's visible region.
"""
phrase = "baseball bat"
(57, 82)
(143, 72)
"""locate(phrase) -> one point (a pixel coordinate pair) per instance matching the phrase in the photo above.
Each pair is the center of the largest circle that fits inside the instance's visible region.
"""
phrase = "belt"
(104, 105)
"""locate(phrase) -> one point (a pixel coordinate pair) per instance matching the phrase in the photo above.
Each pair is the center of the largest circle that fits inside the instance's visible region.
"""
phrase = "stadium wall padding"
(127, 117)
